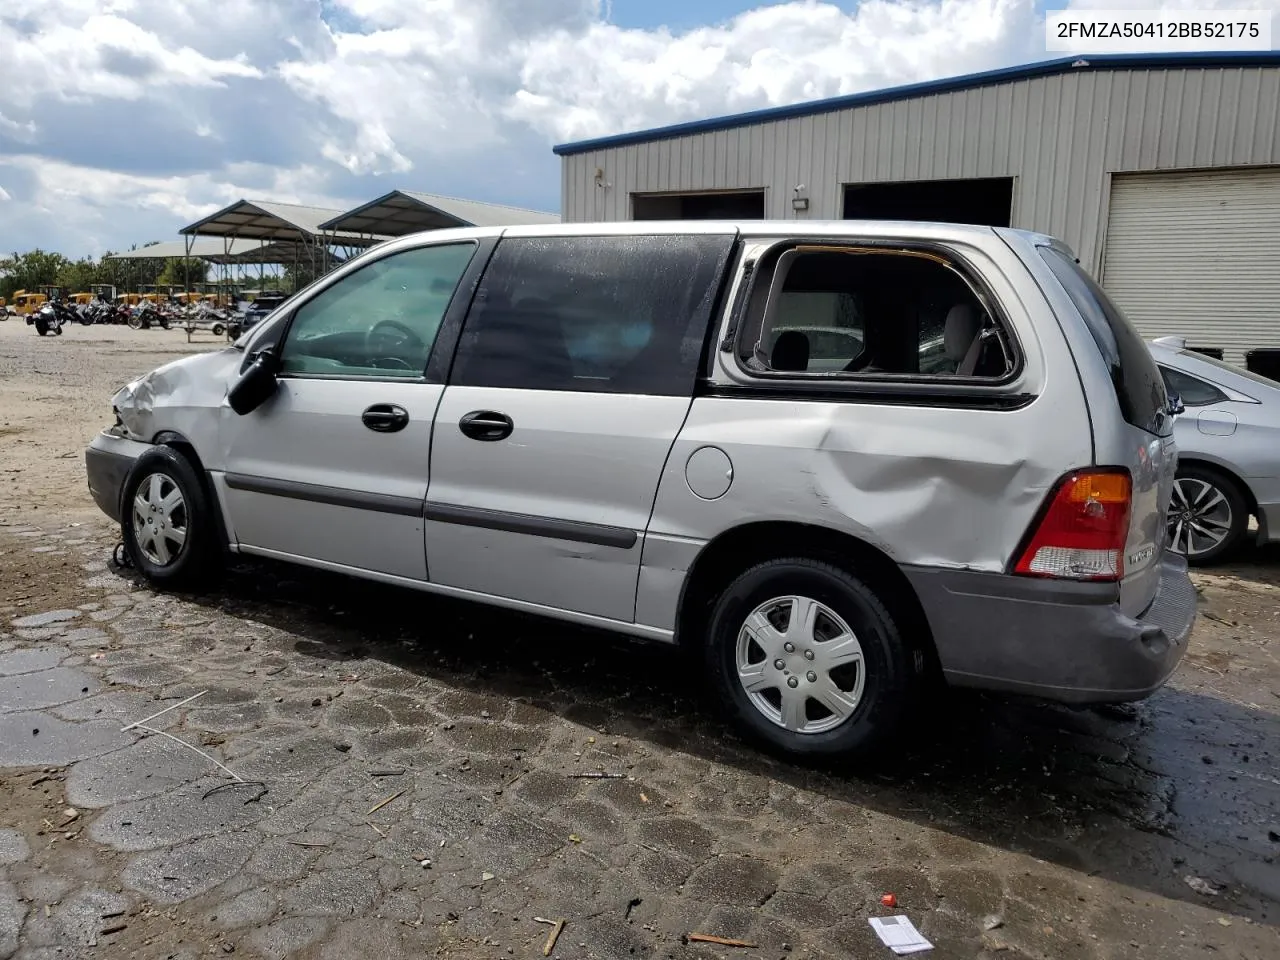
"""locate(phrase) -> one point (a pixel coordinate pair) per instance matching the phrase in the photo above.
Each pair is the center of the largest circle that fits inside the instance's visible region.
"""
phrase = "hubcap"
(159, 519)
(1199, 517)
(800, 664)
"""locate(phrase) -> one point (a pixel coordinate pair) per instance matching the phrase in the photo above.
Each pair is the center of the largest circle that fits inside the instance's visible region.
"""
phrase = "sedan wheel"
(1207, 516)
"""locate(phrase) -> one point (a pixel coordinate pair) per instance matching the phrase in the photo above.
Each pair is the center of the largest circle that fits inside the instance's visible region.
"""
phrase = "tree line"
(38, 268)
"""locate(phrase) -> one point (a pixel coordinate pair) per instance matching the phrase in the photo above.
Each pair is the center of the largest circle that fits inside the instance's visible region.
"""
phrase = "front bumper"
(1059, 640)
(108, 460)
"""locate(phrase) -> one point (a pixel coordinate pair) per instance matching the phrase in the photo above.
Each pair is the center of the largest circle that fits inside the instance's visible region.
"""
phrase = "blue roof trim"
(1114, 61)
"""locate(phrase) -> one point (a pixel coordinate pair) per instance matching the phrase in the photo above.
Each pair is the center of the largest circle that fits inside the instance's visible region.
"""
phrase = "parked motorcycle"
(46, 320)
(145, 315)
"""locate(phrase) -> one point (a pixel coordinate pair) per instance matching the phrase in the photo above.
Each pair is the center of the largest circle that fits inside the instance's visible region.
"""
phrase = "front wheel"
(167, 521)
(1208, 515)
(218, 329)
(42, 328)
(808, 660)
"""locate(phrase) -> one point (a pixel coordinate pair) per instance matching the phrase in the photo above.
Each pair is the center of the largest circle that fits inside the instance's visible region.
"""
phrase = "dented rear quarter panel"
(928, 485)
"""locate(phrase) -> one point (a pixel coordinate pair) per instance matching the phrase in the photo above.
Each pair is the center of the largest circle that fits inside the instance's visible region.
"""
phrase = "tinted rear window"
(1139, 387)
(593, 314)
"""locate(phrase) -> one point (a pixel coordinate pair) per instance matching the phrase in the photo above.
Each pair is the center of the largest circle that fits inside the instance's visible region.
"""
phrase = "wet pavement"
(414, 777)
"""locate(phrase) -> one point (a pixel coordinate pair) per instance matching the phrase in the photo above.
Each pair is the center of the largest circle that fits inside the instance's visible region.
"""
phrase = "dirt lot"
(422, 764)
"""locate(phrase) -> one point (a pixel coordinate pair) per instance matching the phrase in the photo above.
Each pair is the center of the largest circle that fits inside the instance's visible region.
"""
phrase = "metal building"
(1162, 173)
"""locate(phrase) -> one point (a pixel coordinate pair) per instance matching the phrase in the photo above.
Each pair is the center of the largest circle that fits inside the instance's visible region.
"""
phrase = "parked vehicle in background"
(1228, 453)
(261, 307)
(25, 304)
(627, 426)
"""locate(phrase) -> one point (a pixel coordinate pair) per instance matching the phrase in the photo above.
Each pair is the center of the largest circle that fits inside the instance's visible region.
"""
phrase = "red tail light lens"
(1083, 532)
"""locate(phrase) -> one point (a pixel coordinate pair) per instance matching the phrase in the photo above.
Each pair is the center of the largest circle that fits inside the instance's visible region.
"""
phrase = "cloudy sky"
(123, 120)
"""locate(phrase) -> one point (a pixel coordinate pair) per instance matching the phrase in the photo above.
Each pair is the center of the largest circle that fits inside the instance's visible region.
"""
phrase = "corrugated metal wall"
(1059, 136)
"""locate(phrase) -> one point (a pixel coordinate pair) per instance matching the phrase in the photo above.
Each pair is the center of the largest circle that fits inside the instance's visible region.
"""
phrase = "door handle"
(385, 418)
(486, 425)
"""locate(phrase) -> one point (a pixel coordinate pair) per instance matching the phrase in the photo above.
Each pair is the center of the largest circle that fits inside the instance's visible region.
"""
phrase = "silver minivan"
(830, 459)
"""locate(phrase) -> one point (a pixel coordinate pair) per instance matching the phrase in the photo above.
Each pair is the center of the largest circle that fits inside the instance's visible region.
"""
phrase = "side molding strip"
(314, 493)
(598, 534)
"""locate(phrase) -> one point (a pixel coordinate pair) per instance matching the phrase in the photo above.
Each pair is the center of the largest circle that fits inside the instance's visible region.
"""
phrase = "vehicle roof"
(835, 229)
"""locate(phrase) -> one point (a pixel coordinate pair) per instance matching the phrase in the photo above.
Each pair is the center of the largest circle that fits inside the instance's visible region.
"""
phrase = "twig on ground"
(597, 776)
(306, 843)
(376, 830)
(175, 706)
(557, 926)
(720, 941)
(385, 802)
(262, 789)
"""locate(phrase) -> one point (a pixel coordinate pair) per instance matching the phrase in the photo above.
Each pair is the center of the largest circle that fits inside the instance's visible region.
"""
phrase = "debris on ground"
(899, 934)
(889, 900)
(380, 805)
(719, 941)
(1202, 886)
(557, 927)
(597, 776)
(992, 922)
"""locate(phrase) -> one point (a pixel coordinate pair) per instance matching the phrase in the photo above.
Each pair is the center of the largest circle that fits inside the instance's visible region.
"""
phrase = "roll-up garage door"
(1198, 255)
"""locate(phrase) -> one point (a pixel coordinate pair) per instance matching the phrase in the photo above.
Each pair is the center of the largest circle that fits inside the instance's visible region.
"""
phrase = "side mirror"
(256, 384)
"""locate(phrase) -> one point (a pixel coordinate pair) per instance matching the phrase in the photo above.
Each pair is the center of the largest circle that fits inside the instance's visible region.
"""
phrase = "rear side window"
(1139, 387)
(593, 314)
(1193, 391)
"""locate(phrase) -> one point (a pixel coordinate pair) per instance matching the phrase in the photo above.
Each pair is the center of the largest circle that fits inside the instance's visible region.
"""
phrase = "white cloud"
(123, 118)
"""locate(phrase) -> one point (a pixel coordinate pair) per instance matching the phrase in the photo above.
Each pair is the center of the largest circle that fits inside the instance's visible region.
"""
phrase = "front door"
(333, 467)
(574, 373)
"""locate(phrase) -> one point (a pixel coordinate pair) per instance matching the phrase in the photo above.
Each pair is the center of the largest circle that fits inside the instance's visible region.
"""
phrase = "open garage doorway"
(736, 205)
(988, 201)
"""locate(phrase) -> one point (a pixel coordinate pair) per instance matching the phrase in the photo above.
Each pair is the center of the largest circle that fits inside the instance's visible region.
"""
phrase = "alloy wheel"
(1200, 517)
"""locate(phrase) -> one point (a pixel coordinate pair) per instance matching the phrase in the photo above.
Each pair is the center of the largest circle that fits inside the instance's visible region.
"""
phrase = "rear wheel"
(808, 659)
(1208, 515)
(167, 521)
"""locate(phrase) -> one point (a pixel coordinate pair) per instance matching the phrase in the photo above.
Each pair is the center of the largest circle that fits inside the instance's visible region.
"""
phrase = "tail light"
(1082, 533)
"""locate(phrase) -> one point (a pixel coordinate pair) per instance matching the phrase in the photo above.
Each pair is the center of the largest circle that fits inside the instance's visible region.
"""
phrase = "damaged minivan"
(832, 460)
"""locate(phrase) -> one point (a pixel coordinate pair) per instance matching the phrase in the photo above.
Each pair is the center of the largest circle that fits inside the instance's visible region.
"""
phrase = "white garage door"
(1198, 255)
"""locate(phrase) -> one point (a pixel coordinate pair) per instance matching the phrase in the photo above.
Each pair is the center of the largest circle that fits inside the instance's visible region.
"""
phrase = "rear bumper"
(108, 460)
(1058, 640)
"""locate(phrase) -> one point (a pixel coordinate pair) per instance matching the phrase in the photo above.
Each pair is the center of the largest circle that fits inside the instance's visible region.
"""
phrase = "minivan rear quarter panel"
(932, 484)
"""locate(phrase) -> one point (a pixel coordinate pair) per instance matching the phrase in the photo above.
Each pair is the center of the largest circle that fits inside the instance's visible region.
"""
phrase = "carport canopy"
(401, 212)
(212, 250)
(267, 220)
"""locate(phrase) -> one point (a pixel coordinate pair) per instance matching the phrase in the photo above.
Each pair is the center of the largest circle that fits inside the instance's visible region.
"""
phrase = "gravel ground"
(388, 729)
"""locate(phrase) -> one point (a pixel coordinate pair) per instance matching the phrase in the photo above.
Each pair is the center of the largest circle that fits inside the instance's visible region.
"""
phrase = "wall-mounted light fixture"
(801, 199)
(600, 181)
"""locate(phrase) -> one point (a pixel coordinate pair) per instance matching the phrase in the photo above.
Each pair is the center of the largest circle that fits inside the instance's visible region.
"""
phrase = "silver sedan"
(1228, 453)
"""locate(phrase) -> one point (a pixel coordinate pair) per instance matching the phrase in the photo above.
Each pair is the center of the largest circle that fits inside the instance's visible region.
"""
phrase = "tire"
(164, 325)
(156, 553)
(1206, 500)
(876, 691)
(135, 322)
(42, 328)
(57, 331)
(219, 329)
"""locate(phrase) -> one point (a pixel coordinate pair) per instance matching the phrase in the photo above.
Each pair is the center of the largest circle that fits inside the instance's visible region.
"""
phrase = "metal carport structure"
(403, 211)
(279, 228)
